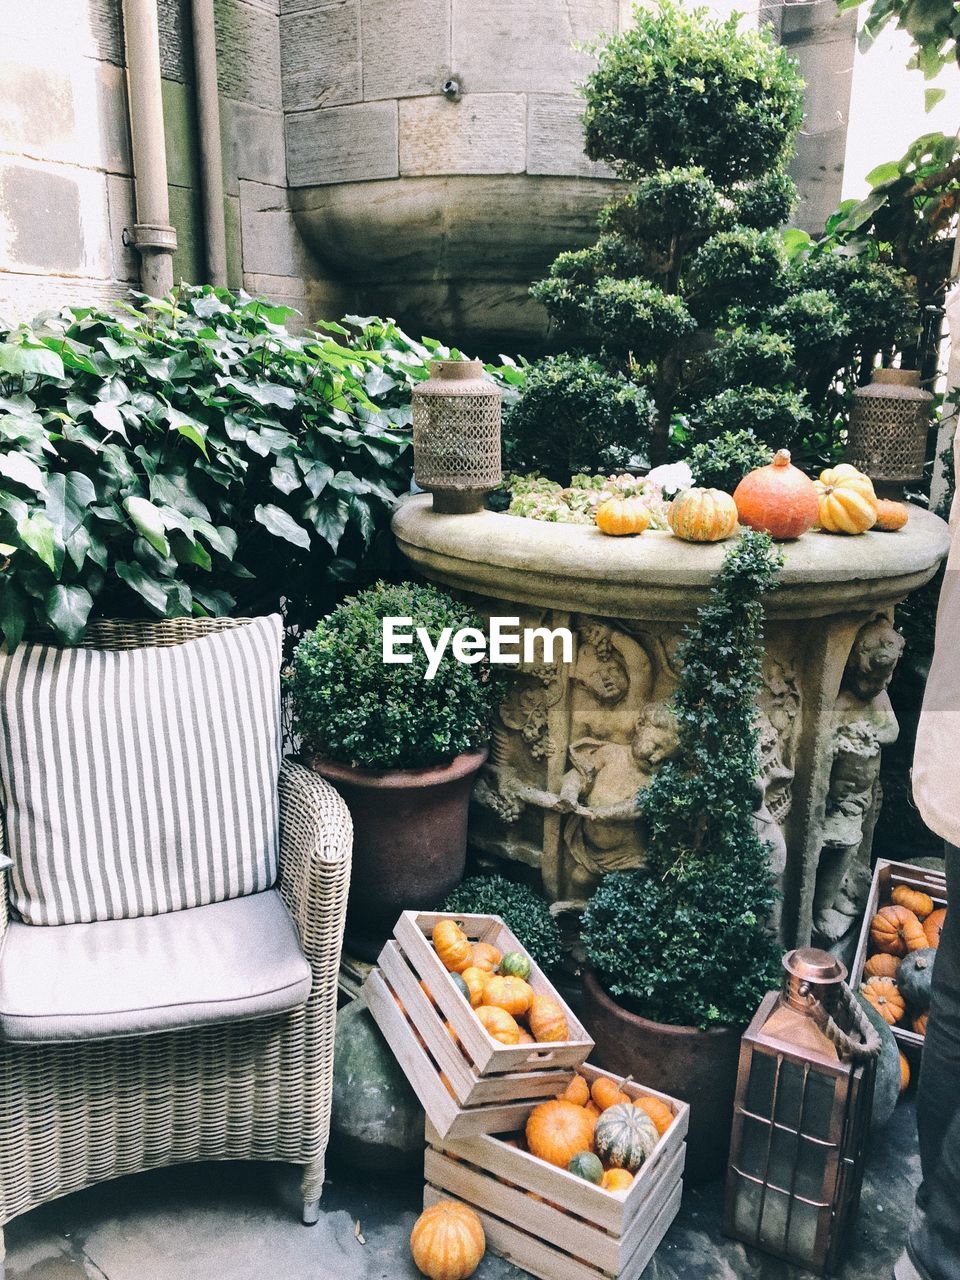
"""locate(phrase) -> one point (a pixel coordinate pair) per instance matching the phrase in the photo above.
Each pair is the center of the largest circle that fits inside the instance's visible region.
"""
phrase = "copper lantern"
(456, 435)
(801, 1117)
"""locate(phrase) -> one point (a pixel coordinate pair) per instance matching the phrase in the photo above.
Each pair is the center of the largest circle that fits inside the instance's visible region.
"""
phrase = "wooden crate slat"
(546, 1223)
(654, 1199)
(648, 1245)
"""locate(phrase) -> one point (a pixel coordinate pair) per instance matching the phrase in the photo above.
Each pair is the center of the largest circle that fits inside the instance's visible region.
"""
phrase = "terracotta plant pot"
(409, 841)
(700, 1067)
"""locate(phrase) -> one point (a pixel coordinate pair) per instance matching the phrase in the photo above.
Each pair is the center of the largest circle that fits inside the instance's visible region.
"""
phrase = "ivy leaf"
(14, 613)
(22, 470)
(150, 590)
(109, 417)
(188, 427)
(21, 360)
(931, 97)
(68, 609)
(149, 523)
(281, 524)
(36, 532)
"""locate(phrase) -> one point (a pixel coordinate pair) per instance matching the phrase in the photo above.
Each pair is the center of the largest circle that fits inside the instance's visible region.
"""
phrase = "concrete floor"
(238, 1222)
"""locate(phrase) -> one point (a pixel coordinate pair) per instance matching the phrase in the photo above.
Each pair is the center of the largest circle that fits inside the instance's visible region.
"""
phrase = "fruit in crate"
(556, 1131)
(485, 957)
(921, 904)
(658, 1111)
(460, 985)
(515, 965)
(933, 926)
(703, 515)
(619, 1181)
(621, 517)
(577, 1091)
(904, 1072)
(778, 499)
(886, 997)
(586, 1165)
(547, 1020)
(625, 1136)
(896, 930)
(919, 1025)
(881, 965)
(891, 516)
(499, 1024)
(512, 994)
(447, 1241)
(452, 946)
(915, 976)
(476, 980)
(607, 1093)
(848, 503)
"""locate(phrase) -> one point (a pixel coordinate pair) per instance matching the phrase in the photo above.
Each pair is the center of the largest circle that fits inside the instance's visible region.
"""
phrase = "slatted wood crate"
(886, 876)
(572, 1230)
(475, 1085)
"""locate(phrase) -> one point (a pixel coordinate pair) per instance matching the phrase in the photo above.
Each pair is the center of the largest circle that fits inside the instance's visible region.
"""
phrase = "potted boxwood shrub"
(680, 952)
(402, 750)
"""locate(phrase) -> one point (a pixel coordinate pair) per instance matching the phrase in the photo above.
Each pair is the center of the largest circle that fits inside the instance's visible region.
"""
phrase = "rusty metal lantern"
(456, 435)
(802, 1114)
(889, 425)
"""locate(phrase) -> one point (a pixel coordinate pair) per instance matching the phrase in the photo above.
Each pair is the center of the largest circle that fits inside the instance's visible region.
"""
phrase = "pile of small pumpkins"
(904, 937)
(778, 499)
(496, 987)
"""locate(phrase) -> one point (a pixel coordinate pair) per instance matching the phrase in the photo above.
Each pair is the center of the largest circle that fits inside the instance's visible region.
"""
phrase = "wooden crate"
(886, 876)
(575, 1230)
(492, 1086)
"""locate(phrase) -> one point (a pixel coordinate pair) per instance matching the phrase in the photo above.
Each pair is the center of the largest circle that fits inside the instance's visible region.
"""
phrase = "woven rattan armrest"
(316, 841)
(5, 865)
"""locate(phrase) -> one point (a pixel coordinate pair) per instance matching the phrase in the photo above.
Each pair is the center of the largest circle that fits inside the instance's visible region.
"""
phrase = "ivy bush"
(684, 940)
(524, 912)
(352, 707)
(189, 455)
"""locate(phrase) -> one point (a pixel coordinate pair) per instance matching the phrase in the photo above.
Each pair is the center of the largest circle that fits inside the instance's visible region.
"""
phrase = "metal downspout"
(153, 236)
(208, 128)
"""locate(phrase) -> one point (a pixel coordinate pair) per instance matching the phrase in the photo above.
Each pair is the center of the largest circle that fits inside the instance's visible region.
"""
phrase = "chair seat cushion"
(219, 963)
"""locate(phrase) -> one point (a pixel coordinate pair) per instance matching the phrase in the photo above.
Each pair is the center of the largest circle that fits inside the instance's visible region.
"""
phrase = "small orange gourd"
(447, 1241)
(525, 1037)
(778, 499)
(921, 904)
(891, 516)
(486, 957)
(882, 965)
(619, 1181)
(607, 1093)
(919, 1024)
(897, 930)
(904, 1072)
(848, 503)
(658, 1111)
(452, 946)
(593, 1110)
(557, 1130)
(498, 1024)
(622, 516)
(476, 980)
(933, 926)
(577, 1091)
(512, 994)
(547, 1020)
(885, 996)
(703, 515)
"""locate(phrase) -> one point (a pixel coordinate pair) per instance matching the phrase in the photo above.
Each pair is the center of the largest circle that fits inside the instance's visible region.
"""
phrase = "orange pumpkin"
(921, 904)
(447, 1241)
(577, 1091)
(848, 503)
(881, 965)
(547, 1020)
(498, 1024)
(557, 1130)
(658, 1111)
(933, 926)
(778, 499)
(486, 957)
(476, 980)
(619, 1181)
(512, 994)
(607, 1093)
(452, 946)
(884, 995)
(620, 517)
(891, 516)
(592, 1110)
(703, 515)
(896, 930)
(919, 1024)
(904, 1072)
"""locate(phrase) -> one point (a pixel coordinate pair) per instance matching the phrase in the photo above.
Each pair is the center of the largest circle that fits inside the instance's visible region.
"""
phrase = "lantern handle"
(867, 1045)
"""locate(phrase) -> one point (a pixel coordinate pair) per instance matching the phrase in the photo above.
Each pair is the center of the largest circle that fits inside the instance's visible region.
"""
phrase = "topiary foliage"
(684, 941)
(575, 415)
(351, 706)
(721, 463)
(523, 911)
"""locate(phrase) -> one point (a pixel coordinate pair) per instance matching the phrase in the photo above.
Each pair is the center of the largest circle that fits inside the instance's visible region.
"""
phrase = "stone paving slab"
(239, 1222)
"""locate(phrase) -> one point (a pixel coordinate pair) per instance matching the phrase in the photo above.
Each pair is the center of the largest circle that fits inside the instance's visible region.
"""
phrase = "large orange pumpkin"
(512, 994)
(778, 499)
(452, 946)
(933, 926)
(447, 1241)
(556, 1131)
(886, 998)
(703, 515)
(897, 930)
(848, 503)
(622, 516)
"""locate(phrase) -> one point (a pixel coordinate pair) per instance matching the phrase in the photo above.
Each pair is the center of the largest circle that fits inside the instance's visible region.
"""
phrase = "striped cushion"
(139, 782)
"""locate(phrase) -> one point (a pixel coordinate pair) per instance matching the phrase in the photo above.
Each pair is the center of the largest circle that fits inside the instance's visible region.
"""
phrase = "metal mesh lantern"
(802, 1113)
(889, 423)
(456, 435)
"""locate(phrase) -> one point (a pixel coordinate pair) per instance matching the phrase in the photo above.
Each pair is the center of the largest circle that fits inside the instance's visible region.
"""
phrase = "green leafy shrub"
(722, 462)
(774, 415)
(188, 455)
(351, 706)
(575, 415)
(684, 941)
(522, 910)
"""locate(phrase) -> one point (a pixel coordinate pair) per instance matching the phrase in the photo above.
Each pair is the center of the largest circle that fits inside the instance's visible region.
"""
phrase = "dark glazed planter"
(699, 1067)
(409, 841)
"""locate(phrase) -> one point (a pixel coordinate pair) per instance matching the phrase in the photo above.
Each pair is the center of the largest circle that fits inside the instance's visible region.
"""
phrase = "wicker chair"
(79, 1113)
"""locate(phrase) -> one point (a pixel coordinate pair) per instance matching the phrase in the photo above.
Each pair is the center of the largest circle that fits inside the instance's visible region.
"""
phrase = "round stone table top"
(656, 575)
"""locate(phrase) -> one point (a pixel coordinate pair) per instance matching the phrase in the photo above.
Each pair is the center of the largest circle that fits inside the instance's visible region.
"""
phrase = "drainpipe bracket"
(156, 236)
